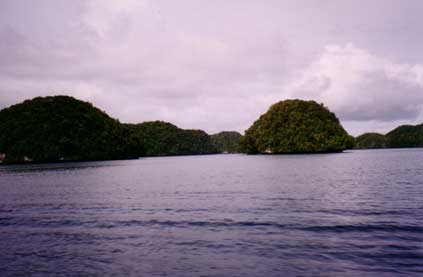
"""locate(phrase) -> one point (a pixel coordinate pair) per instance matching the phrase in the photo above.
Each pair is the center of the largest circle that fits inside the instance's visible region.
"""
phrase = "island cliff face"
(296, 126)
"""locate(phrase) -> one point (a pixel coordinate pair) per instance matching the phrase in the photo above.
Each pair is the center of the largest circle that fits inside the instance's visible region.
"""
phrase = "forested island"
(59, 128)
(227, 142)
(296, 126)
(370, 140)
(405, 136)
(62, 128)
(165, 139)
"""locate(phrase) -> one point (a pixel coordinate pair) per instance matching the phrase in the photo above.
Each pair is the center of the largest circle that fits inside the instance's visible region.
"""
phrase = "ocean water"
(357, 213)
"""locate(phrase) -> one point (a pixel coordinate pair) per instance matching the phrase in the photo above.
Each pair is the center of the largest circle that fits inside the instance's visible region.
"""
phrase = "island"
(62, 128)
(227, 141)
(404, 136)
(296, 126)
(370, 141)
(161, 138)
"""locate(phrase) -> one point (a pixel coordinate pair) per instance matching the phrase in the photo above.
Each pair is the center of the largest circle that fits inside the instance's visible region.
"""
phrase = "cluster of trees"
(405, 136)
(58, 128)
(296, 126)
(370, 140)
(62, 128)
(165, 139)
(227, 142)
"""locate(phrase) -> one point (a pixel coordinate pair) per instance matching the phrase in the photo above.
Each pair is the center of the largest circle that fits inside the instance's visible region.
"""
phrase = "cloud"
(124, 59)
(360, 86)
(214, 65)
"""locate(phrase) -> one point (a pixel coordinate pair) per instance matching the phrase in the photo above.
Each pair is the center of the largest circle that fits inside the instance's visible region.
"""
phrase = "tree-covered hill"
(406, 136)
(371, 141)
(165, 139)
(62, 128)
(296, 126)
(227, 141)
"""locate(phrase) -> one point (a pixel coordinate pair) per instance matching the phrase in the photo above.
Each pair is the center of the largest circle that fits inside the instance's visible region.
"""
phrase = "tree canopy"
(296, 126)
(62, 128)
(406, 136)
(227, 141)
(165, 139)
(371, 141)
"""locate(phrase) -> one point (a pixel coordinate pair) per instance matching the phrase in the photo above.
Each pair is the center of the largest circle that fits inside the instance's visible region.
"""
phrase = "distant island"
(62, 128)
(48, 129)
(227, 142)
(370, 141)
(405, 136)
(296, 126)
(165, 139)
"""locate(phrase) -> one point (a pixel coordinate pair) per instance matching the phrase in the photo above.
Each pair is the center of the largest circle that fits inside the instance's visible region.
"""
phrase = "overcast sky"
(218, 65)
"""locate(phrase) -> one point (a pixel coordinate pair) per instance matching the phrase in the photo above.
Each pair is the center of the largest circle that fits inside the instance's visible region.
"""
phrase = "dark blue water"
(358, 213)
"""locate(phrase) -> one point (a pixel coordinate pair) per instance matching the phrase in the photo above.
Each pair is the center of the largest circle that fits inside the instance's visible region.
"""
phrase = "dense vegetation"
(165, 139)
(296, 126)
(371, 141)
(226, 142)
(62, 128)
(406, 136)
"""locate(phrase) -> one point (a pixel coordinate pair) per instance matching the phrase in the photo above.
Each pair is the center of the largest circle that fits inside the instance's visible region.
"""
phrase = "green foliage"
(401, 137)
(165, 139)
(406, 136)
(58, 128)
(227, 141)
(62, 128)
(296, 126)
(370, 141)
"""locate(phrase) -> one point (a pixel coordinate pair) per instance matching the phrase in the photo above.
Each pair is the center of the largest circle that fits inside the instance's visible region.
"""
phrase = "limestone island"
(62, 128)
(296, 126)
(404, 136)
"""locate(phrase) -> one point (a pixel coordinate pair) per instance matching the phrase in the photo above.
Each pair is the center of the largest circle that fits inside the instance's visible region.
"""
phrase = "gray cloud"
(360, 86)
(217, 65)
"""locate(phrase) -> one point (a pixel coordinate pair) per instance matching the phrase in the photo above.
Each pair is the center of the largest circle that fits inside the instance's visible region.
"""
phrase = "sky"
(218, 65)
